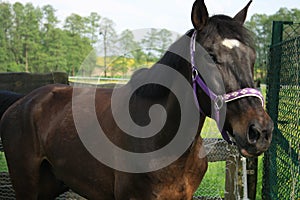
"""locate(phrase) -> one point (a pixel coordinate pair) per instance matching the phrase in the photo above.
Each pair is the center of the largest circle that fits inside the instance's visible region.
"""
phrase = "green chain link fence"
(281, 178)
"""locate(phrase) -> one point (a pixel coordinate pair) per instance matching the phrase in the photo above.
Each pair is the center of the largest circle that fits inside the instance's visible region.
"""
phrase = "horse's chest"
(180, 185)
(175, 182)
(172, 186)
(178, 190)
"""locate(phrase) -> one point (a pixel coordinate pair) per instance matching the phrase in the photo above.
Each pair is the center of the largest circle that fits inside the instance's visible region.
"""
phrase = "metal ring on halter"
(195, 73)
(219, 102)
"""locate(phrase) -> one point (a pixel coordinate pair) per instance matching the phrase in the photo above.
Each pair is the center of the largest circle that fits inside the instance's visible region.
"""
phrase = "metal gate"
(281, 178)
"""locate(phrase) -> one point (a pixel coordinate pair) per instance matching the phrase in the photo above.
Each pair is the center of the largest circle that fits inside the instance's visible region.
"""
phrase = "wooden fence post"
(26, 82)
(233, 180)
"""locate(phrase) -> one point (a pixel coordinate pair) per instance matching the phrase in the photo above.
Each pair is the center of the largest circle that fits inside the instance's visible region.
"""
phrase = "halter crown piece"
(218, 100)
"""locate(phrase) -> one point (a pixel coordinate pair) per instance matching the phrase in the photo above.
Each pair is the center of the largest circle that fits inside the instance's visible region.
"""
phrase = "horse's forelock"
(227, 27)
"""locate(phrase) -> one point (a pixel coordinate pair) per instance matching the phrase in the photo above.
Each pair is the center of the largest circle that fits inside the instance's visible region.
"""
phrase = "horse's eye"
(214, 58)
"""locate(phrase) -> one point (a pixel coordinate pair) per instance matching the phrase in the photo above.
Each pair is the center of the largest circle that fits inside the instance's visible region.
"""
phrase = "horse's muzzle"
(259, 136)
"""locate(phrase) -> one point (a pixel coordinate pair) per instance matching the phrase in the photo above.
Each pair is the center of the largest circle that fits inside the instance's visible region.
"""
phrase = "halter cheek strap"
(218, 100)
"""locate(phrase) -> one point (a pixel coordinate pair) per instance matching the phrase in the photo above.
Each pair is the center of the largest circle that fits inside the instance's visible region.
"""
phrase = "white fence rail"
(97, 80)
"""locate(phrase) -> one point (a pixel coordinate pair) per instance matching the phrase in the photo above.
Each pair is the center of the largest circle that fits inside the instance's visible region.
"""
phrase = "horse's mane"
(155, 90)
(227, 27)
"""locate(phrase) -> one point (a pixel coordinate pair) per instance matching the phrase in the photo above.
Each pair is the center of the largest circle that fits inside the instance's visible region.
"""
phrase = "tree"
(77, 43)
(127, 43)
(128, 48)
(50, 21)
(165, 40)
(82, 34)
(17, 35)
(52, 54)
(54, 51)
(261, 26)
(6, 59)
(150, 43)
(78, 48)
(92, 27)
(75, 24)
(140, 58)
(109, 38)
(31, 40)
(32, 45)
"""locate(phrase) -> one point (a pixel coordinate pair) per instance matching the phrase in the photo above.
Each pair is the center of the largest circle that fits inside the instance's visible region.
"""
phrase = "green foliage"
(213, 183)
(261, 26)
(31, 41)
(3, 165)
(156, 42)
(5, 18)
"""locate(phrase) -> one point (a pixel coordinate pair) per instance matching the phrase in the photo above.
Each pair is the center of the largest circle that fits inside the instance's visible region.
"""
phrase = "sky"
(173, 15)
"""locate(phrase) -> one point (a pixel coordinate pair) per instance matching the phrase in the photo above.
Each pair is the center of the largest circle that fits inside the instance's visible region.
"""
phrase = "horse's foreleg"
(49, 186)
(25, 178)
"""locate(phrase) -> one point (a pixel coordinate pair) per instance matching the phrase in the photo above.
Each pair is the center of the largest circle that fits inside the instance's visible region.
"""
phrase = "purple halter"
(218, 100)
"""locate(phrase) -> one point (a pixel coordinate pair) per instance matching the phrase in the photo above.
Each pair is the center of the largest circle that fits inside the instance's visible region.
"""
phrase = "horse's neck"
(150, 94)
(178, 57)
(182, 65)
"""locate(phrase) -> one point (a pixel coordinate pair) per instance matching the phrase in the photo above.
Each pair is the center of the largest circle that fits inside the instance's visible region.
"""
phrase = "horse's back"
(19, 124)
(46, 115)
(40, 128)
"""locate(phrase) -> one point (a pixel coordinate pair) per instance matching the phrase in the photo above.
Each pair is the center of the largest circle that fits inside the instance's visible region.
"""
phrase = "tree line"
(261, 26)
(32, 39)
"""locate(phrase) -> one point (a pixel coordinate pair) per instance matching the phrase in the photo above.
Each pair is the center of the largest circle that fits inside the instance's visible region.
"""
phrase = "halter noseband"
(218, 100)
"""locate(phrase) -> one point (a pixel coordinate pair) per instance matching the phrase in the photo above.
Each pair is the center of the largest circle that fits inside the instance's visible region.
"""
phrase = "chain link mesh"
(281, 162)
(291, 31)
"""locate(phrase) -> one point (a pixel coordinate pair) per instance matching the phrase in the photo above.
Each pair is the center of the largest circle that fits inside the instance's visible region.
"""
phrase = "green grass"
(3, 165)
(213, 183)
(259, 178)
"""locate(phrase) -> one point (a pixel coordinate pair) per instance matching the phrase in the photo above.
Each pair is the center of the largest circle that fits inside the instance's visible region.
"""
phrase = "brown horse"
(47, 137)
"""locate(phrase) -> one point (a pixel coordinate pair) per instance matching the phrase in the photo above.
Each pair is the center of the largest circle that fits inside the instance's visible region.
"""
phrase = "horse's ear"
(241, 16)
(199, 14)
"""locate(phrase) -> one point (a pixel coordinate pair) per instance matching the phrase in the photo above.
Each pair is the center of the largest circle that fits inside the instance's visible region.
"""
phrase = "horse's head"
(230, 46)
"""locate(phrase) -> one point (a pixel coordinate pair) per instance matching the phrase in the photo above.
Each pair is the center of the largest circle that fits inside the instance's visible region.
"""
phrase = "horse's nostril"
(266, 134)
(253, 134)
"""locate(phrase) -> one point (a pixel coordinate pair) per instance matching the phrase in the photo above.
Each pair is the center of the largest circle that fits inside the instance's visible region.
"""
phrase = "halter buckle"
(219, 102)
(195, 73)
